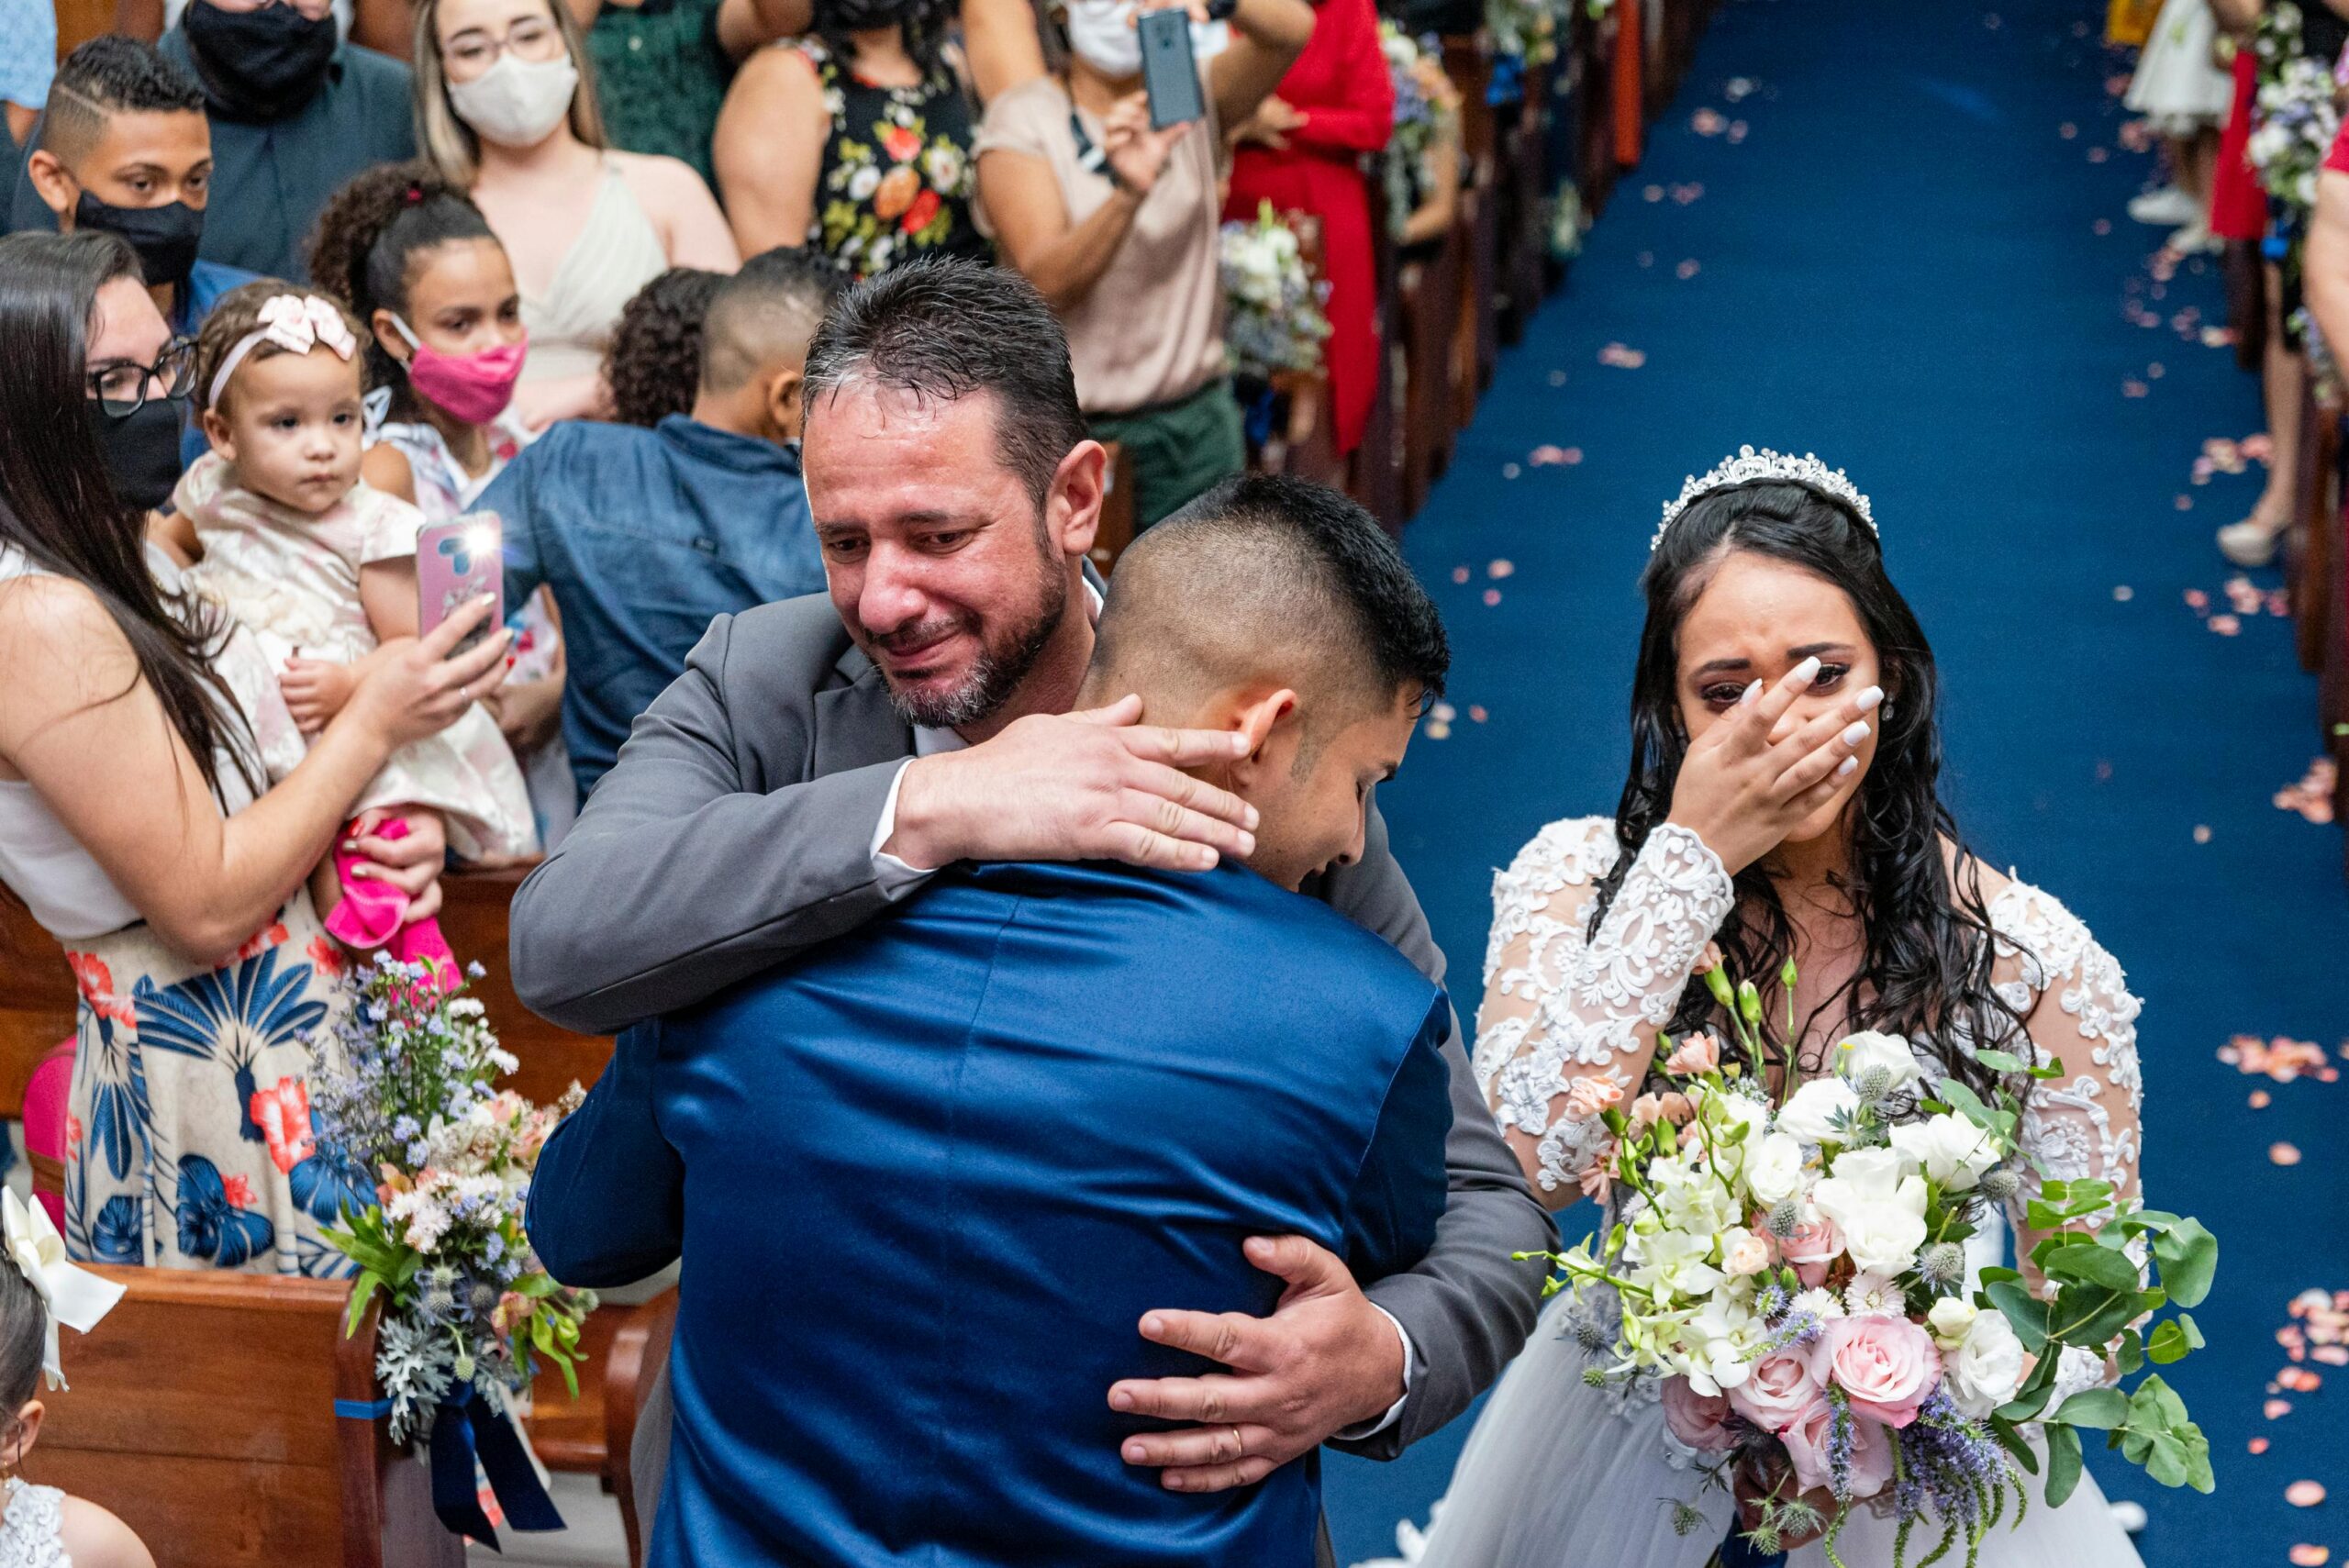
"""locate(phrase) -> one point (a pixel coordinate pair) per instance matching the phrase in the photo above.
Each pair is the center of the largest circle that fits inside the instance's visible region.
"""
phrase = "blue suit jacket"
(927, 1178)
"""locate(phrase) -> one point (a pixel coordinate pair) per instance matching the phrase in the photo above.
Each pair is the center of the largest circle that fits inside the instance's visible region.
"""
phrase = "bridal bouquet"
(1796, 1275)
(466, 1306)
(1423, 121)
(2296, 112)
(1273, 318)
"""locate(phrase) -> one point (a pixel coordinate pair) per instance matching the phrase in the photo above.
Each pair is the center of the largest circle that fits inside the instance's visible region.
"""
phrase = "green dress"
(661, 77)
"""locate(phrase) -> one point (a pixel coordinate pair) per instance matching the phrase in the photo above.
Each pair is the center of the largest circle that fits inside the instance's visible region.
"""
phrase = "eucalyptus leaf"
(2025, 1313)
(2188, 1256)
(2093, 1264)
(2130, 1353)
(2011, 1440)
(2167, 1343)
(2102, 1408)
(2063, 1463)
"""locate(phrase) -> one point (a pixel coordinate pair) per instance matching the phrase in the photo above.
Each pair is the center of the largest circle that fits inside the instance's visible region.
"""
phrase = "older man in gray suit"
(820, 755)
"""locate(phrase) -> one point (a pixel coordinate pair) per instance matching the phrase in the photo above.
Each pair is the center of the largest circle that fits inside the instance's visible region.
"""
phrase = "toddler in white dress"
(317, 564)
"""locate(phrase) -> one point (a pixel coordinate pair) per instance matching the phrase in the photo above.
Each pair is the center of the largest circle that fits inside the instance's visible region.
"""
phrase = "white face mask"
(1102, 32)
(516, 103)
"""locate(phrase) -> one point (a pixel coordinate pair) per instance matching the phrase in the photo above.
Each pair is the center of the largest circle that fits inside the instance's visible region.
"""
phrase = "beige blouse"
(1152, 330)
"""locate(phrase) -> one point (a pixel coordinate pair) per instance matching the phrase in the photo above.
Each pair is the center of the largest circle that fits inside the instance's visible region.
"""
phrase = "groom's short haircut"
(1265, 577)
(946, 330)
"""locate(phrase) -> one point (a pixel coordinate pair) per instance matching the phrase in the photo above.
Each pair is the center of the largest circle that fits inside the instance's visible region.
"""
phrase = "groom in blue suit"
(927, 1178)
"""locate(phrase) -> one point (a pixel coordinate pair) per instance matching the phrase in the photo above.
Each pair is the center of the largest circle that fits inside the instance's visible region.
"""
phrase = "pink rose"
(1815, 1244)
(1777, 1391)
(1692, 1056)
(1887, 1365)
(1700, 1421)
(1808, 1438)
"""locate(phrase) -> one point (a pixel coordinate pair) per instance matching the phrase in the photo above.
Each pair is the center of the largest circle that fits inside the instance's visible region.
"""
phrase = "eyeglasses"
(532, 38)
(122, 388)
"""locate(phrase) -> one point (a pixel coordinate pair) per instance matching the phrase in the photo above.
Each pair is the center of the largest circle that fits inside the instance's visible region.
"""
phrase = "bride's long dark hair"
(1925, 970)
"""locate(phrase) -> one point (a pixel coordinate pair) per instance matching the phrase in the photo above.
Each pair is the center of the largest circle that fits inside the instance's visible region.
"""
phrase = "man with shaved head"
(940, 707)
(928, 1177)
(643, 536)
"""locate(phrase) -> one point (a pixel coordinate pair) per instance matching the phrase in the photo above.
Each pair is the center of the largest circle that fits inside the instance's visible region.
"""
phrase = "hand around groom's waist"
(1326, 1361)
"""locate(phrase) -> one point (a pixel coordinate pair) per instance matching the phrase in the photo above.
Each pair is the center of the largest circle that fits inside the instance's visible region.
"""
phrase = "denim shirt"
(645, 536)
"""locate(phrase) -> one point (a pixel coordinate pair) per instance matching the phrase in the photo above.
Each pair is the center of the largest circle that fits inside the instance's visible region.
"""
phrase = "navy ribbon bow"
(467, 1428)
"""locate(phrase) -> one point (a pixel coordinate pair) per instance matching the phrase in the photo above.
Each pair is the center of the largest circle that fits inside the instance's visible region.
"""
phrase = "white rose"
(1987, 1368)
(1811, 1112)
(1951, 1316)
(1951, 1149)
(1869, 1049)
(1774, 1172)
(1878, 1205)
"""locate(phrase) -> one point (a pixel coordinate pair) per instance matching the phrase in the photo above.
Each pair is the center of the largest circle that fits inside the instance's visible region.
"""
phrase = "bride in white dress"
(1781, 804)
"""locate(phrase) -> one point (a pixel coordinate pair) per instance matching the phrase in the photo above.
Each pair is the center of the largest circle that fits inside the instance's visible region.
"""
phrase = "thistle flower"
(1687, 1518)
(1941, 1264)
(1998, 1183)
(1786, 1218)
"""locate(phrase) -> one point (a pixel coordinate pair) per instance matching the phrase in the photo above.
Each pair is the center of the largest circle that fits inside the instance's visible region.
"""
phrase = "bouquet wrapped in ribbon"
(1794, 1269)
(467, 1311)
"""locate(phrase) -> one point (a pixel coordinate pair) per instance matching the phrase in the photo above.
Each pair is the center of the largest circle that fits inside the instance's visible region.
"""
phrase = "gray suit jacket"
(737, 829)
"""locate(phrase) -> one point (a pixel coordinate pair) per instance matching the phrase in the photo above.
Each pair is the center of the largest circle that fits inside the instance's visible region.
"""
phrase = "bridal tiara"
(1750, 467)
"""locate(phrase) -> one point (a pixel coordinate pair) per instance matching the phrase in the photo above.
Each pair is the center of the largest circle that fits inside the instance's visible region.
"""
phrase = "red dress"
(1340, 84)
(2238, 204)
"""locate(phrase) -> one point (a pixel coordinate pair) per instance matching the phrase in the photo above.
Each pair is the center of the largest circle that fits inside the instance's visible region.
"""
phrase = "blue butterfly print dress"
(191, 1143)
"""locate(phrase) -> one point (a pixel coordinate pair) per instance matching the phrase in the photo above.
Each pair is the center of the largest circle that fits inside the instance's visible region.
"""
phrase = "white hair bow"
(294, 322)
(74, 1297)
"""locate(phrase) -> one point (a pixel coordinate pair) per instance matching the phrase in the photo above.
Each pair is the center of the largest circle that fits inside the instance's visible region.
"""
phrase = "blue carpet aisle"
(1913, 259)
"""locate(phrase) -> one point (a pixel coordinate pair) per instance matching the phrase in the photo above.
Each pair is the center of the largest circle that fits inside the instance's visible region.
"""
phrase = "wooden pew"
(1469, 62)
(1523, 268)
(1590, 45)
(1117, 530)
(2311, 542)
(36, 1000)
(203, 1411)
(1374, 473)
(1429, 292)
(596, 1433)
(473, 917)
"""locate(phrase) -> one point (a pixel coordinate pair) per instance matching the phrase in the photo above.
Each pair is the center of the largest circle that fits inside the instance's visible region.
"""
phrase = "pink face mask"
(474, 387)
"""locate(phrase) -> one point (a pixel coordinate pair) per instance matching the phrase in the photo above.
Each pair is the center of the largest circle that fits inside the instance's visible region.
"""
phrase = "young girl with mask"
(505, 111)
(321, 566)
(415, 262)
(40, 1527)
(855, 142)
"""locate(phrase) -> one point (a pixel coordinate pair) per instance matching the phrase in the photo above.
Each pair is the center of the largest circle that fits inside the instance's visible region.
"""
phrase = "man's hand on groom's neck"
(1325, 1361)
(1094, 785)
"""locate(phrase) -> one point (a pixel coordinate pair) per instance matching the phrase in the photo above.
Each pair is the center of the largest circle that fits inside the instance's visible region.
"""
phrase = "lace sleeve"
(2084, 1123)
(1568, 1024)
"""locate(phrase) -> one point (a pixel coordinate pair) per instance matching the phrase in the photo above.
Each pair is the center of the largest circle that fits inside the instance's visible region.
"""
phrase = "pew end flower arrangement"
(1273, 314)
(1793, 1271)
(467, 1310)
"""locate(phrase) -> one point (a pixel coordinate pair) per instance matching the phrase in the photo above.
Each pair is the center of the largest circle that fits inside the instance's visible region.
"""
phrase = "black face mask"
(258, 65)
(164, 237)
(142, 449)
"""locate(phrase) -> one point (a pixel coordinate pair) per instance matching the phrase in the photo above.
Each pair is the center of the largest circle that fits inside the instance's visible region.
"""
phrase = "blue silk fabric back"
(937, 1170)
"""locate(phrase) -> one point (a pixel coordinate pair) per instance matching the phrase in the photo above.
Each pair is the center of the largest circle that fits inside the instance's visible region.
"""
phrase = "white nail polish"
(1750, 693)
(1808, 671)
(1869, 700)
(1844, 769)
(1855, 732)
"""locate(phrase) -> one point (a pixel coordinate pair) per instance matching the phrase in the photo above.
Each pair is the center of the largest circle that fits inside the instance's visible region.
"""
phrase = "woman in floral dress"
(157, 813)
(855, 140)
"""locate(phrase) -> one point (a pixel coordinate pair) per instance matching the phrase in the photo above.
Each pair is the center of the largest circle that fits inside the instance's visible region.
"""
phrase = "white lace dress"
(1557, 1472)
(30, 1531)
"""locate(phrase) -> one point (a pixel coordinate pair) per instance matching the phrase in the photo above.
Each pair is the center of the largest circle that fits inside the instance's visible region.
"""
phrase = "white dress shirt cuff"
(1394, 1412)
(893, 875)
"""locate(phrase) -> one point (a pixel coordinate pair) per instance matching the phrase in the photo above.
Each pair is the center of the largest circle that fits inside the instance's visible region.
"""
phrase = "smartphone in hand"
(457, 562)
(1170, 72)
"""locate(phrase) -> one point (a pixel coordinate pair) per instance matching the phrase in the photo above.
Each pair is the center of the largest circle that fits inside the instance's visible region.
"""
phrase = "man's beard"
(1004, 661)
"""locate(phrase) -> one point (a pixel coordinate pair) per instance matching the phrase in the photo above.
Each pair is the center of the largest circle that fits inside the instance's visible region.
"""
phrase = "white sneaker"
(2167, 205)
(2248, 543)
(2195, 240)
